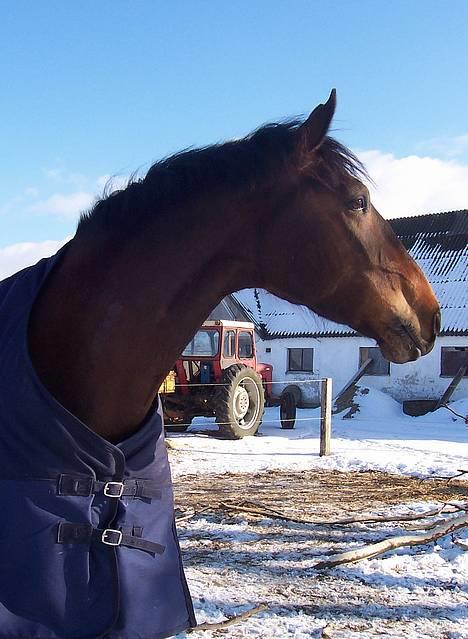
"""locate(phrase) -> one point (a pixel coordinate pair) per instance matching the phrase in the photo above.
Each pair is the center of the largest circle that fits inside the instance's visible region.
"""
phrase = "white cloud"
(60, 175)
(69, 206)
(31, 191)
(449, 147)
(415, 185)
(53, 174)
(72, 204)
(18, 256)
(19, 201)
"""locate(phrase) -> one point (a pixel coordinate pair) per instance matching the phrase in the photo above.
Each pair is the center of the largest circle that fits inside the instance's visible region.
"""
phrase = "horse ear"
(313, 131)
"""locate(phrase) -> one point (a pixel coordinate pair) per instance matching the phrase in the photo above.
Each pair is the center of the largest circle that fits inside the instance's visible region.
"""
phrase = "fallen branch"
(424, 525)
(193, 514)
(372, 550)
(265, 512)
(461, 544)
(276, 514)
(460, 472)
(458, 507)
(230, 620)
(464, 417)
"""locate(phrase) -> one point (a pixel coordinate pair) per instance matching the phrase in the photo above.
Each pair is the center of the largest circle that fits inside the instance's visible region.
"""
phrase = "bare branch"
(461, 544)
(372, 550)
(460, 472)
(366, 518)
(192, 514)
(464, 417)
(458, 507)
(425, 525)
(231, 620)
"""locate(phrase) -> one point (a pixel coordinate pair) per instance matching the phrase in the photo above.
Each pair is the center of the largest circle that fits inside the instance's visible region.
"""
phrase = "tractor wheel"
(240, 402)
(288, 411)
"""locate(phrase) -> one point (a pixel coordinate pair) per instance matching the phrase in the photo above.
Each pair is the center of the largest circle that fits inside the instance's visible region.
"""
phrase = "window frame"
(301, 369)
(230, 337)
(214, 338)
(252, 344)
(444, 350)
(381, 361)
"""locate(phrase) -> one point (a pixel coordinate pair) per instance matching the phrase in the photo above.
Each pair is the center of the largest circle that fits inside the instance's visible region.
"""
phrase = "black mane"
(256, 160)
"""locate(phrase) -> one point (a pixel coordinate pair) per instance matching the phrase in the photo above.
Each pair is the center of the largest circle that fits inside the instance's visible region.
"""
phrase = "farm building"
(303, 346)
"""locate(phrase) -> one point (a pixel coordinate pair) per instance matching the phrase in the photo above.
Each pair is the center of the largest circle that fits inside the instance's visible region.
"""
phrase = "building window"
(452, 358)
(301, 359)
(379, 365)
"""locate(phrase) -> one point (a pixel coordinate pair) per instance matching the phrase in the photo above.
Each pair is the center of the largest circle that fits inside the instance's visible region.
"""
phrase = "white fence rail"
(325, 406)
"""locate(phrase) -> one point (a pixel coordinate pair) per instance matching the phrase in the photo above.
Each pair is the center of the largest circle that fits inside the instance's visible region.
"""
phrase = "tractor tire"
(240, 402)
(288, 408)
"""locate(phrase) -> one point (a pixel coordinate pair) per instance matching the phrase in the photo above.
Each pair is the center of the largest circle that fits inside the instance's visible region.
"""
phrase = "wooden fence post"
(451, 387)
(325, 416)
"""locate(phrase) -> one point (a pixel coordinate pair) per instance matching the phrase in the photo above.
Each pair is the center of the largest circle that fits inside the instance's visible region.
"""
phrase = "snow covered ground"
(235, 561)
(379, 437)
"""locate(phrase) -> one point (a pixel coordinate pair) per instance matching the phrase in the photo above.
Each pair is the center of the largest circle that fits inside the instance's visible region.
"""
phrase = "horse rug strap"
(85, 534)
(88, 545)
(86, 486)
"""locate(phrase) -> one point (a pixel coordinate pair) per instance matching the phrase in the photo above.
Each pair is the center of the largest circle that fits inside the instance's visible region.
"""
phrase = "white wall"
(278, 358)
(338, 358)
(421, 379)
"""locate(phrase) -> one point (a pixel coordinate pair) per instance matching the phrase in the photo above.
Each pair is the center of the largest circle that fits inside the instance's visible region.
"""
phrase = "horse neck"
(131, 308)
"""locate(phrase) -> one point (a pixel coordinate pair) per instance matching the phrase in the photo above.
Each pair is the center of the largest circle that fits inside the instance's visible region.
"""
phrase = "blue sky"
(93, 89)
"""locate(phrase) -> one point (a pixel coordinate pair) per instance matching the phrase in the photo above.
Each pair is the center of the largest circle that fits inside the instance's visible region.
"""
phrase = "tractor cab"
(215, 346)
(217, 375)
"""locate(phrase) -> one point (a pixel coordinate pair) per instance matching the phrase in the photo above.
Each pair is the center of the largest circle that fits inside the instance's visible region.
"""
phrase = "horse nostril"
(437, 322)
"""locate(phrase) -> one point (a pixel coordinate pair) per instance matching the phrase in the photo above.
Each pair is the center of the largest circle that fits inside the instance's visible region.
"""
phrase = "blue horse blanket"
(88, 546)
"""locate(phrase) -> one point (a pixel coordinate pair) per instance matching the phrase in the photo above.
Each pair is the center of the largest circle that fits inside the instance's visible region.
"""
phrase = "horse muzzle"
(403, 341)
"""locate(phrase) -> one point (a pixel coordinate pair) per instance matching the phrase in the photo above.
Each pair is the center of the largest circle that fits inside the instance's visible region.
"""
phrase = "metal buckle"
(106, 537)
(110, 486)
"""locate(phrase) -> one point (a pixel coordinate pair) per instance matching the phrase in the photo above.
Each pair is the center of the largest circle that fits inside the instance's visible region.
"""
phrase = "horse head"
(336, 254)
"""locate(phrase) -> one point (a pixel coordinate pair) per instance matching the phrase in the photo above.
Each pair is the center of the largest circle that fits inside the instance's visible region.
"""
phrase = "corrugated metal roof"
(439, 244)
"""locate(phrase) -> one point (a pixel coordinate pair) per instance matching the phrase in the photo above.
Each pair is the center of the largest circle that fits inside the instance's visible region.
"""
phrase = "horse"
(282, 209)
(285, 209)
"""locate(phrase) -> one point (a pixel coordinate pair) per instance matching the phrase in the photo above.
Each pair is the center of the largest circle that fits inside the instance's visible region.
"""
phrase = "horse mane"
(256, 160)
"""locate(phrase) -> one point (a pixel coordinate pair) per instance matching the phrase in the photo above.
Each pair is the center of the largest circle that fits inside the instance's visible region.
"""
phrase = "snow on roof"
(275, 317)
(439, 244)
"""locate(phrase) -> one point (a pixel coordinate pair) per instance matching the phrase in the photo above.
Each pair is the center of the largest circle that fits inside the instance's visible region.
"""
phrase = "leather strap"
(85, 534)
(70, 485)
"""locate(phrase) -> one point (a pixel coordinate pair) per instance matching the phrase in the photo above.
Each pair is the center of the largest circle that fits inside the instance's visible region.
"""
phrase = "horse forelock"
(335, 163)
(258, 160)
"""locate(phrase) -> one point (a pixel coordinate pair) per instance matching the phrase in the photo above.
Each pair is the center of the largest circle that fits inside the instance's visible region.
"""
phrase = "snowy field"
(378, 437)
(236, 560)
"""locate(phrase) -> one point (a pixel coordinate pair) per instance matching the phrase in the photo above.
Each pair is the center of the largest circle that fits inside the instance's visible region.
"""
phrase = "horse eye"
(359, 204)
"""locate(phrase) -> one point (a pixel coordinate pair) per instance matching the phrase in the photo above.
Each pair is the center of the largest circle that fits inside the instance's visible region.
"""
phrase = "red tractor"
(218, 375)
